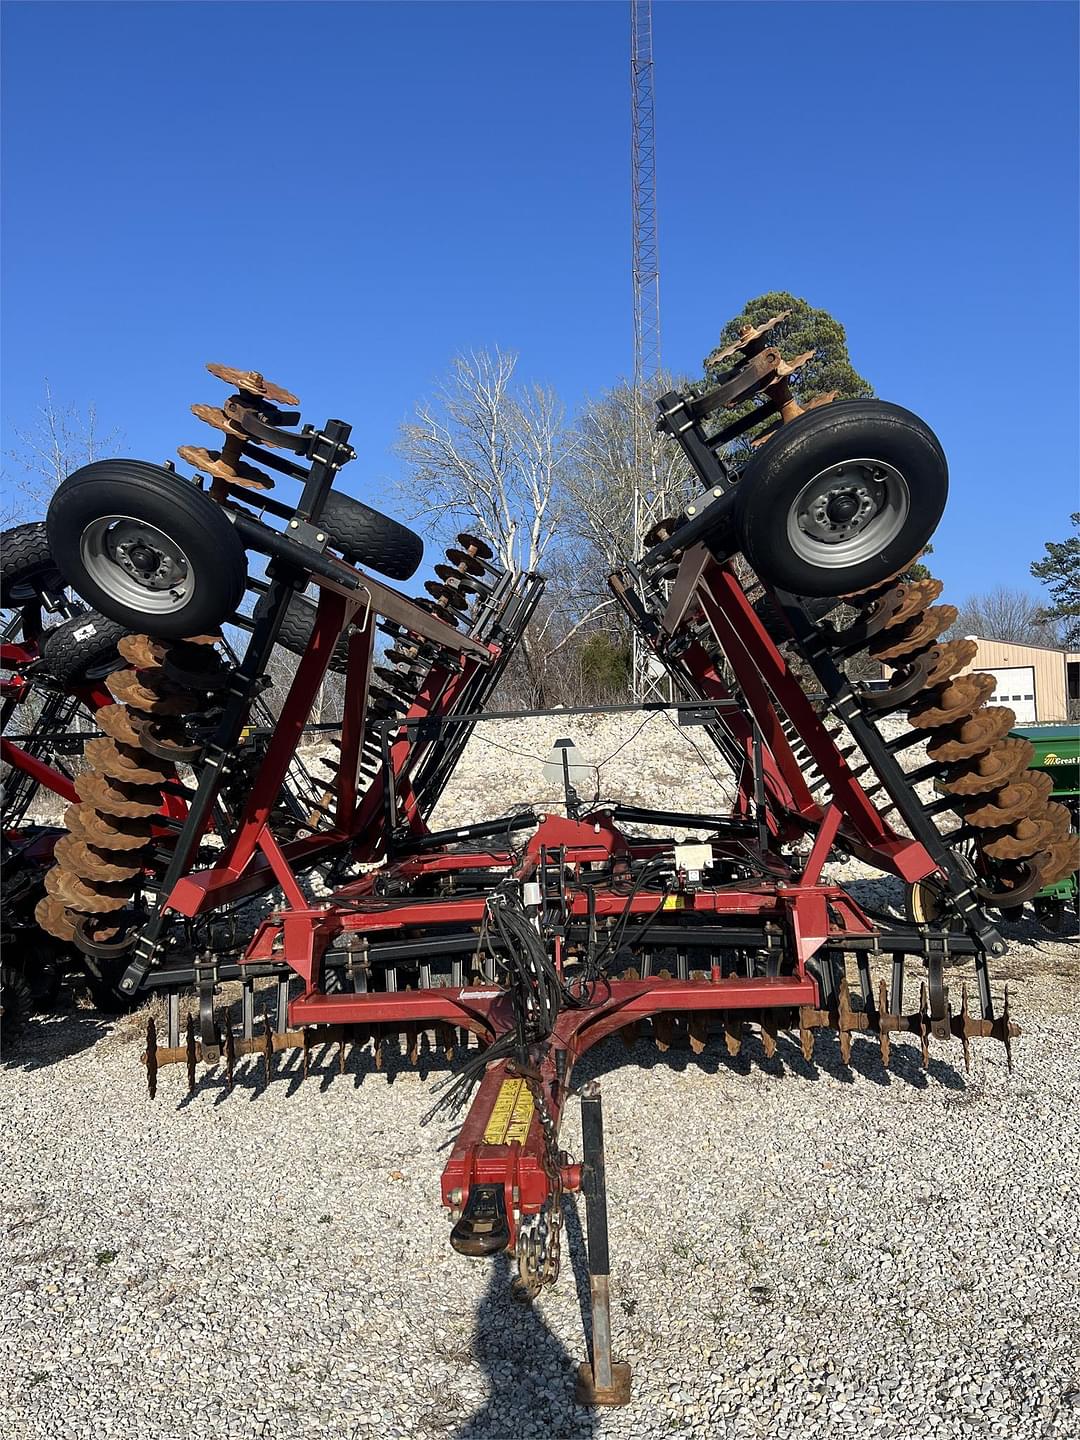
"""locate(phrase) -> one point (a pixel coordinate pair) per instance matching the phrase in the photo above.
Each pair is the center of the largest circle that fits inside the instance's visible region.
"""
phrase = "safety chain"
(539, 1246)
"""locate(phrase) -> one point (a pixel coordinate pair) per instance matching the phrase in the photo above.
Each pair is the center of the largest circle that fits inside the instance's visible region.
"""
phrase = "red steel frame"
(809, 914)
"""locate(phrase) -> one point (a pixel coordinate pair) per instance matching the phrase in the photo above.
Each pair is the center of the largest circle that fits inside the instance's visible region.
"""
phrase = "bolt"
(294, 524)
(320, 537)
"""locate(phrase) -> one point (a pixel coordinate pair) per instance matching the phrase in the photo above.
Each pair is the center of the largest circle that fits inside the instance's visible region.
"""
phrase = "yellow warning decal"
(511, 1115)
(675, 902)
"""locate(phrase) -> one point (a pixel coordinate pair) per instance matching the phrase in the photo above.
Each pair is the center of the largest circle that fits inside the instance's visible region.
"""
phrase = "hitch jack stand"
(604, 1381)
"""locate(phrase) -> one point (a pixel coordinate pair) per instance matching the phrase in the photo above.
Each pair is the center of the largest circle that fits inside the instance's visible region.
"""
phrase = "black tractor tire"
(296, 629)
(82, 649)
(367, 537)
(212, 565)
(881, 453)
(26, 565)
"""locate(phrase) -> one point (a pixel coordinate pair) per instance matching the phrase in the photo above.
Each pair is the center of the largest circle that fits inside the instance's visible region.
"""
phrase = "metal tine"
(267, 1050)
(963, 1018)
(924, 1025)
(844, 1023)
(663, 1024)
(769, 1033)
(230, 1052)
(733, 1034)
(883, 1034)
(697, 1024)
(191, 1053)
(446, 1040)
(896, 998)
(151, 1057)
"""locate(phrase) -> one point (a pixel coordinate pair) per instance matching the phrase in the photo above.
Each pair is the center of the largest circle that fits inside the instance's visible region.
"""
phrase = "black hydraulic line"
(640, 815)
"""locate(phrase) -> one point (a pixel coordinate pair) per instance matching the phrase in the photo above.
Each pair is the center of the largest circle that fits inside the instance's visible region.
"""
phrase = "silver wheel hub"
(848, 512)
(137, 563)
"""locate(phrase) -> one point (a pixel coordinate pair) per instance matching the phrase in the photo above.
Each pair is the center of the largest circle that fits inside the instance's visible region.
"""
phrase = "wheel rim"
(137, 564)
(848, 513)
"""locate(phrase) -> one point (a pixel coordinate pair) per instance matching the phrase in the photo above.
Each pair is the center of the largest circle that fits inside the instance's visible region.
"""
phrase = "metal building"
(1033, 680)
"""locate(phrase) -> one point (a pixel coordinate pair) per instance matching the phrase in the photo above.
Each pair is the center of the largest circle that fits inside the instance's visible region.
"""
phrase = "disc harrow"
(510, 946)
(100, 866)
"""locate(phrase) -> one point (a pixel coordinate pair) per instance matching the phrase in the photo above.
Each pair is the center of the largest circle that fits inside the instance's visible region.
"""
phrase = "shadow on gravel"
(46, 1040)
(905, 1064)
(529, 1370)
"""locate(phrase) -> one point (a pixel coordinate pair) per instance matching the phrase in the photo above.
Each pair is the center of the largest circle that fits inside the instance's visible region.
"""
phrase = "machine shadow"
(530, 1372)
(905, 1065)
(49, 1038)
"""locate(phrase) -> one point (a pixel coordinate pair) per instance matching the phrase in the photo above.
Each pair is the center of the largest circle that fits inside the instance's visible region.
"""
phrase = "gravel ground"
(798, 1249)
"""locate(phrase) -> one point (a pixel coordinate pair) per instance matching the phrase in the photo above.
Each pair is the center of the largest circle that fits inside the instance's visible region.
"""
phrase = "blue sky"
(345, 195)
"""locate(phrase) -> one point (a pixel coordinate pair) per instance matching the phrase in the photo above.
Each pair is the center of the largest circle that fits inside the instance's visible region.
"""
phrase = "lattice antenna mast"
(647, 497)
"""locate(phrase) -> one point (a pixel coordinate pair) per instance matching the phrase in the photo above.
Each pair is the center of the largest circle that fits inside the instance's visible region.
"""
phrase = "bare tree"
(492, 457)
(487, 455)
(1006, 613)
(600, 478)
(62, 438)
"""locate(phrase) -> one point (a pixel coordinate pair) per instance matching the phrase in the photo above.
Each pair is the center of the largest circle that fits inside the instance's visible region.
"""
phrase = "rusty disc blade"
(87, 863)
(1057, 819)
(93, 897)
(1005, 807)
(114, 797)
(248, 477)
(914, 636)
(117, 723)
(55, 918)
(124, 762)
(463, 562)
(1063, 858)
(212, 415)
(1004, 761)
(475, 546)
(915, 597)
(949, 658)
(953, 703)
(252, 382)
(152, 698)
(110, 832)
(459, 580)
(446, 594)
(1027, 837)
(973, 737)
(143, 651)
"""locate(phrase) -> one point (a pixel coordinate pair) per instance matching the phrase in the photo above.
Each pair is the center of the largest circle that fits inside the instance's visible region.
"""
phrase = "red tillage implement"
(513, 945)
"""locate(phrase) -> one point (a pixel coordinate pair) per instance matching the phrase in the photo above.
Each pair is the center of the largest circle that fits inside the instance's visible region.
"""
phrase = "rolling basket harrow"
(513, 945)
